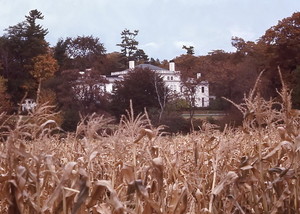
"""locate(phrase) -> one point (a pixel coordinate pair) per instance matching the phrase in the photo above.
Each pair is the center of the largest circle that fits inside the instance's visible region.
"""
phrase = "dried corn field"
(139, 169)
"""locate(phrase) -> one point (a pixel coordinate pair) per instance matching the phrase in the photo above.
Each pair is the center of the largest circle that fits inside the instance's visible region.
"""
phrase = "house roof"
(149, 66)
(142, 66)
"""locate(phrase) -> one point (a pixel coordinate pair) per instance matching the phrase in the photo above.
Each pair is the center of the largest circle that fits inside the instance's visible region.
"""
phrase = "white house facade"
(28, 105)
(171, 78)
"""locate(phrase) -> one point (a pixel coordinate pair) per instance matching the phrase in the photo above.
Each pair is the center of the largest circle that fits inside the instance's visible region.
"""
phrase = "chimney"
(172, 66)
(131, 65)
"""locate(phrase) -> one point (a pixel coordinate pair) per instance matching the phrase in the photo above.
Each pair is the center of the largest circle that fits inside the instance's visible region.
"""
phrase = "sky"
(164, 25)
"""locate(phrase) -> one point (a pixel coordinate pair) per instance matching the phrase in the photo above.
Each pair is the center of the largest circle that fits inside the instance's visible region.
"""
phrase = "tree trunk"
(192, 112)
(38, 92)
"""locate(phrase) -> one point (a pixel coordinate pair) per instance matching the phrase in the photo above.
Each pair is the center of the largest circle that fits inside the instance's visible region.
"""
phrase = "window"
(202, 101)
(202, 89)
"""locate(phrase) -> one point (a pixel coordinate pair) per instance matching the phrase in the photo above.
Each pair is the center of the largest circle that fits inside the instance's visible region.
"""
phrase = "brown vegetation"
(253, 169)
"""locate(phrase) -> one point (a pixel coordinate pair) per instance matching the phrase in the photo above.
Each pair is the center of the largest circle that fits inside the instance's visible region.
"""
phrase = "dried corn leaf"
(282, 133)
(282, 144)
(100, 187)
(199, 195)
(276, 170)
(149, 133)
(247, 167)
(83, 194)
(51, 166)
(280, 202)
(181, 204)
(20, 151)
(174, 195)
(4, 177)
(56, 195)
(103, 209)
(2, 155)
(158, 169)
(227, 180)
(205, 211)
(141, 189)
(21, 181)
(144, 195)
(127, 173)
(145, 132)
(297, 143)
(46, 123)
(154, 151)
(14, 206)
(93, 155)
(97, 193)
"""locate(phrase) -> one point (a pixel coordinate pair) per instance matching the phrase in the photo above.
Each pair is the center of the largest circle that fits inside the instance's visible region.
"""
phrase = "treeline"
(30, 68)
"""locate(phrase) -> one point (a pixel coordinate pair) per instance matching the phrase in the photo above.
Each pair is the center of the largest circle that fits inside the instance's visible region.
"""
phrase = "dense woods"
(31, 67)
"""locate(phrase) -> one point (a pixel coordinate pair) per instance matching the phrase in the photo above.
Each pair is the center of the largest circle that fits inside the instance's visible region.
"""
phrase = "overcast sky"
(164, 25)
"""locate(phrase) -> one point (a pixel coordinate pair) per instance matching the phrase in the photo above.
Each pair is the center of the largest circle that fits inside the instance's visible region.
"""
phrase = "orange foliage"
(44, 66)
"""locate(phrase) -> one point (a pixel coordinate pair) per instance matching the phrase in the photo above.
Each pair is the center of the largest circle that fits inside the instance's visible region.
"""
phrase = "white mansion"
(171, 78)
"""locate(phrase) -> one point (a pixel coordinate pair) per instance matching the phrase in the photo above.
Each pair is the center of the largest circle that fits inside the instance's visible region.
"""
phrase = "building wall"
(202, 95)
(171, 79)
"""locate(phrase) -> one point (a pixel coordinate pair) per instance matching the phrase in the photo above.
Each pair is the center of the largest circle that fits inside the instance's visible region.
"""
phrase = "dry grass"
(254, 169)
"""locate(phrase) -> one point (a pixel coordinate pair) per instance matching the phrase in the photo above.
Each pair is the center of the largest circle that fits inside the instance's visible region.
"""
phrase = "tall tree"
(35, 42)
(5, 104)
(280, 45)
(4, 57)
(113, 62)
(21, 43)
(63, 85)
(142, 87)
(129, 45)
(189, 49)
(44, 67)
(296, 88)
(81, 53)
(140, 56)
(189, 67)
(60, 53)
(27, 38)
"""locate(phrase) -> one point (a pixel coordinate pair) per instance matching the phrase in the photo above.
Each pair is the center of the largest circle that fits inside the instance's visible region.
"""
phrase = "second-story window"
(202, 89)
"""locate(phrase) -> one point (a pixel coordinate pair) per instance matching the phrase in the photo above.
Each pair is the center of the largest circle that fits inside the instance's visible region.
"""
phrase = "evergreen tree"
(128, 45)
(140, 56)
(21, 43)
(189, 50)
(35, 42)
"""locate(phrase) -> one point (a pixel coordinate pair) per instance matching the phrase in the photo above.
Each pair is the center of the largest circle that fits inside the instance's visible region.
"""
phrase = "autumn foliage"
(44, 67)
(5, 104)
